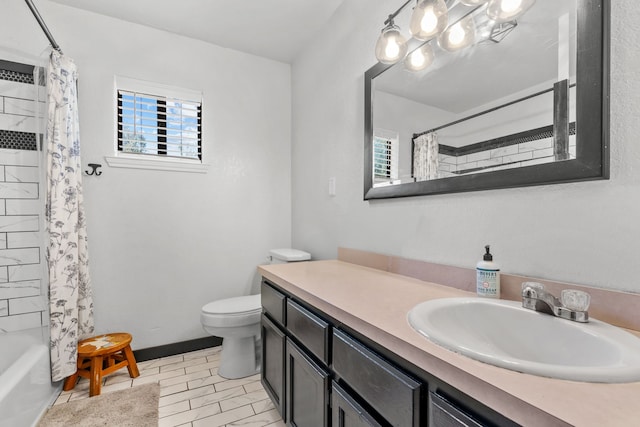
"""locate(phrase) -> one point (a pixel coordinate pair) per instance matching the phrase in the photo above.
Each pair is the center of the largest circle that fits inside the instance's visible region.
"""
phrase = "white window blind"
(156, 125)
(385, 155)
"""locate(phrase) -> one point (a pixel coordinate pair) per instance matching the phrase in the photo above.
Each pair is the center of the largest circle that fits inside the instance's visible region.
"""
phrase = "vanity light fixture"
(420, 59)
(507, 10)
(429, 18)
(391, 46)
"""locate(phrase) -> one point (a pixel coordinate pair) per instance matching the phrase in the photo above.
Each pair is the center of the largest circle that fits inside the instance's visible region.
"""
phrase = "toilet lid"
(237, 305)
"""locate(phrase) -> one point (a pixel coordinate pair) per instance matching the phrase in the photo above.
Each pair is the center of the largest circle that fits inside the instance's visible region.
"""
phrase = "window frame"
(152, 161)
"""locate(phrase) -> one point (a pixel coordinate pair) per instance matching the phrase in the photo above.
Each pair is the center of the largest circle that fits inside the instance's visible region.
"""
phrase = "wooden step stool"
(100, 356)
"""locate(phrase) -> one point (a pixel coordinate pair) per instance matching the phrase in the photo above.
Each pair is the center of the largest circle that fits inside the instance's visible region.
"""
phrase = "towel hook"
(94, 169)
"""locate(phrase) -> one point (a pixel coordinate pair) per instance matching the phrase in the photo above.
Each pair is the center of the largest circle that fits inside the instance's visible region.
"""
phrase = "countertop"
(375, 303)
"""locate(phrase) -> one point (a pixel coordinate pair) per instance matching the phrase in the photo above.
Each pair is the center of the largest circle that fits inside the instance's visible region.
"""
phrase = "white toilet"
(237, 322)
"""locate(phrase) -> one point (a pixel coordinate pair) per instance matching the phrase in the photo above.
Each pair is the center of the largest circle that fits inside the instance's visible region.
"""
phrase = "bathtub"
(26, 390)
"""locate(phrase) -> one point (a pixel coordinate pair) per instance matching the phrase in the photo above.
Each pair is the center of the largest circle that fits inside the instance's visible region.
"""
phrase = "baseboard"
(176, 348)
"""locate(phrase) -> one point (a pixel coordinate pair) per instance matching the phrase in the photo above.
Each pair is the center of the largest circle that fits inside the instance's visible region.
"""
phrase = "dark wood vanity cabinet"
(319, 375)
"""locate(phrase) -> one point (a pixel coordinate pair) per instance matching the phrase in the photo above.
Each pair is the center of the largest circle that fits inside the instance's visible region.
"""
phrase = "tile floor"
(192, 394)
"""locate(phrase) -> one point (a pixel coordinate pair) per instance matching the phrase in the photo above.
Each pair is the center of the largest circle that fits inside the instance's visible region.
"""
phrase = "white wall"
(162, 244)
(587, 233)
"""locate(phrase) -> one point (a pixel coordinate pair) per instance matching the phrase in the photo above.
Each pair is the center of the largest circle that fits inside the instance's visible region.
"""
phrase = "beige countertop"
(375, 303)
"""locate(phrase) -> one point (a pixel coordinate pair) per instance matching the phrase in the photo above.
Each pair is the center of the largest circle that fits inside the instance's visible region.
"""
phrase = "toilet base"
(238, 358)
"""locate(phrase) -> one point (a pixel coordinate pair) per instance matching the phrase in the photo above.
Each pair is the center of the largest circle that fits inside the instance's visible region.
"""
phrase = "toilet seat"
(230, 312)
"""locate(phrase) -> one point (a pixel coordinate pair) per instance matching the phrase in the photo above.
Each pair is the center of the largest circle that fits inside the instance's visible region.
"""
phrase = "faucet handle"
(575, 300)
(531, 286)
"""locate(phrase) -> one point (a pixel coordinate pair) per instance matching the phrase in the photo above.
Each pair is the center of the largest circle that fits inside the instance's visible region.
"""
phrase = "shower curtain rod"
(47, 33)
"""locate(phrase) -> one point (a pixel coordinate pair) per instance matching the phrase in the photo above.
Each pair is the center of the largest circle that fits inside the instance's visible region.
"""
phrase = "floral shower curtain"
(425, 157)
(70, 299)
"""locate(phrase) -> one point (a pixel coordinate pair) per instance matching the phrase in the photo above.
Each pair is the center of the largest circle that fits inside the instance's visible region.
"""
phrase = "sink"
(504, 334)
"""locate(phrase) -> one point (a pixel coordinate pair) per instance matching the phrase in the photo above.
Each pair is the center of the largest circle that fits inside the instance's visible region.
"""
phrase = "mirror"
(527, 104)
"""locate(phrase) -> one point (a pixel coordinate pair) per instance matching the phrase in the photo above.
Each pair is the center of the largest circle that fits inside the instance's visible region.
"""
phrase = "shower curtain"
(425, 157)
(70, 298)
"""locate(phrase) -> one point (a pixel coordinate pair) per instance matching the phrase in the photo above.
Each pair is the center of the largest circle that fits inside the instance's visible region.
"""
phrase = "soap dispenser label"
(488, 282)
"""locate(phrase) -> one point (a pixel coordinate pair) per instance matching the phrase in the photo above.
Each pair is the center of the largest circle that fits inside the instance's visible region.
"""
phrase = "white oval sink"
(504, 334)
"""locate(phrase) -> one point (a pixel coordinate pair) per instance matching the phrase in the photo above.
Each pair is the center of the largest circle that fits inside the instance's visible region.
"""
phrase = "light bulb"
(419, 59)
(510, 6)
(391, 45)
(507, 10)
(459, 35)
(429, 21)
(456, 34)
(392, 49)
(429, 18)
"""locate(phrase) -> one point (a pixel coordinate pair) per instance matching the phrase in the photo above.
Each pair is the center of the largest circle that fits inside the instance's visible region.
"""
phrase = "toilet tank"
(281, 256)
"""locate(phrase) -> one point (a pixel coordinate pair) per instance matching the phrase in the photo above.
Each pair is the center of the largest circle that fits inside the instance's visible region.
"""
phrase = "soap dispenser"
(488, 276)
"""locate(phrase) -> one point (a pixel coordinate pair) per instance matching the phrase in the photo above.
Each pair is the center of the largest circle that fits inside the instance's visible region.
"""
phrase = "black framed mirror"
(469, 125)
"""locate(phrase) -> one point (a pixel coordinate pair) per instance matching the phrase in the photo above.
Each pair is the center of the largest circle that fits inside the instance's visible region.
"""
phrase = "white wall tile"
(26, 305)
(4, 274)
(482, 155)
(18, 123)
(24, 207)
(3, 240)
(547, 152)
(18, 190)
(24, 272)
(18, 157)
(19, 223)
(538, 144)
(22, 107)
(504, 151)
(4, 308)
(26, 239)
(20, 322)
(1, 104)
(17, 90)
(2, 174)
(3, 207)
(21, 174)
(27, 288)
(519, 157)
(19, 256)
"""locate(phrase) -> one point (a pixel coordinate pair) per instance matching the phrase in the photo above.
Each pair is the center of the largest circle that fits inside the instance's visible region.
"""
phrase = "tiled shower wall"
(512, 156)
(22, 297)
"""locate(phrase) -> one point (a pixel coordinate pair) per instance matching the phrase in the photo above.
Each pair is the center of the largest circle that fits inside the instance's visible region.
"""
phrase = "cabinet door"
(346, 412)
(307, 390)
(272, 372)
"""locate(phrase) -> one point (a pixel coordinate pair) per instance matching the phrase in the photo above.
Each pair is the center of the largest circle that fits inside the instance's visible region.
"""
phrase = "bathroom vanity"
(338, 351)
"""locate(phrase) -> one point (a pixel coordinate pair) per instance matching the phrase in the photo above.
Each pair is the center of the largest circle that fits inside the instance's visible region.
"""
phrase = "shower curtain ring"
(94, 169)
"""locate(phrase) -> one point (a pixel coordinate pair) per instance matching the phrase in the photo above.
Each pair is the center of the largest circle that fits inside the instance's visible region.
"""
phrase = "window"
(385, 156)
(157, 127)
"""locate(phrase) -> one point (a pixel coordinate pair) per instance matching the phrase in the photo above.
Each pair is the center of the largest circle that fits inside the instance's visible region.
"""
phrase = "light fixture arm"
(394, 14)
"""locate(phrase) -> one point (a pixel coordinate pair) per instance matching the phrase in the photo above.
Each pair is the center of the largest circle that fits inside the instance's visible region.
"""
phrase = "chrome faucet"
(572, 304)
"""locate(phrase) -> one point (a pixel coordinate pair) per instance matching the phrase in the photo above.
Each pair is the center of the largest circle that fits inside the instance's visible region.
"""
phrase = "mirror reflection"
(507, 100)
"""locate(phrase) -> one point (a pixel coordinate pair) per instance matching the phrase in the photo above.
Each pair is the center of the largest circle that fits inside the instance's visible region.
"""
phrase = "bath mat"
(135, 407)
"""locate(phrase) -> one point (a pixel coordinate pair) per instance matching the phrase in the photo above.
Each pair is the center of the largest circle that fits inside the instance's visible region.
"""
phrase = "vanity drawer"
(391, 392)
(273, 303)
(445, 414)
(310, 330)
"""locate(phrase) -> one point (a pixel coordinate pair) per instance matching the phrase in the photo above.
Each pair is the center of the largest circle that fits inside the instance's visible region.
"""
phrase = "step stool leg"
(131, 362)
(96, 376)
(71, 380)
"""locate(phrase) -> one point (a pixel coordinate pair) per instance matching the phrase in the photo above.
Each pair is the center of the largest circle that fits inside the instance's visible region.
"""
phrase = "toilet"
(237, 321)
